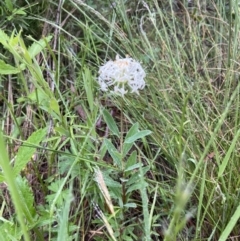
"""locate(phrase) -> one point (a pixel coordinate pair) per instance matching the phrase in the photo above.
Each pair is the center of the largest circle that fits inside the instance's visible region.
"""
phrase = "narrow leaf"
(63, 229)
(228, 155)
(135, 177)
(137, 186)
(145, 205)
(110, 182)
(11, 183)
(53, 105)
(132, 160)
(9, 5)
(111, 123)
(3, 38)
(137, 165)
(136, 136)
(127, 146)
(231, 225)
(7, 69)
(1, 177)
(39, 95)
(19, 11)
(88, 85)
(26, 151)
(130, 205)
(38, 46)
(133, 130)
(27, 198)
(113, 152)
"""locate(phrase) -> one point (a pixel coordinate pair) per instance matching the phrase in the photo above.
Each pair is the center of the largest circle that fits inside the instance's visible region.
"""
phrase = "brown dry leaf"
(210, 156)
(81, 112)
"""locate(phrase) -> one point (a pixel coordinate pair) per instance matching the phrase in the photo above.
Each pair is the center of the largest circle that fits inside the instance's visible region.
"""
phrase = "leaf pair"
(133, 135)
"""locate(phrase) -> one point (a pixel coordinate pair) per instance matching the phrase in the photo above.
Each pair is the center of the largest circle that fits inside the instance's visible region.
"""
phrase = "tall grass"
(178, 183)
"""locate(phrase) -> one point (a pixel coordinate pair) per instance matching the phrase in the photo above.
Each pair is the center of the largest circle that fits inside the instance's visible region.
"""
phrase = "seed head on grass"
(101, 215)
(104, 190)
(123, 74)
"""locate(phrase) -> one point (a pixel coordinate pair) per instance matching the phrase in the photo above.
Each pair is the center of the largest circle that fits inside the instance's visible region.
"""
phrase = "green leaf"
(132, 135)
(16, 11)
(137, 186)
(17, 47)
(102, 151)
(88, 85)
(145, 205)
(54, 187)
(53, 105)
(23, 50)
(136, 177)
(9, 5)
(231, 224)
(131, 160)
(65, 162)
(19, 11)
(27, 150)
(136, 182)
(38, 46)
(130, 205)
(27, 198)
(62, 131)
(39, 96)
(65, 224)
(4, 38)
(7, 69)
(223, 166)
(12, 187)
(133, 179)
(113, 152)
(2, 177)
(111, 123)
(127, 146)
(136, 136)
(133, 130)
(137, 165)
(10, 231)
(110, 182)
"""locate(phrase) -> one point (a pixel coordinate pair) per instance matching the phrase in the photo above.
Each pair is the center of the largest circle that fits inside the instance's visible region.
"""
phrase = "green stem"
(121, 138)
(10, 179)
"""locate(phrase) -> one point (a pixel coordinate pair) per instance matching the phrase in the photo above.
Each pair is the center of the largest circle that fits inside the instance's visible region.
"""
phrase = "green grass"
(89, 165)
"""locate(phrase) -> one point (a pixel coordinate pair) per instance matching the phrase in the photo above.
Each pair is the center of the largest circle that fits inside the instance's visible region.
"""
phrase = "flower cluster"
(123, 74)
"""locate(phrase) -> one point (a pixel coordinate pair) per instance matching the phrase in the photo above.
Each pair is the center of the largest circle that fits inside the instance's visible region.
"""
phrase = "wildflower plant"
(124, 75)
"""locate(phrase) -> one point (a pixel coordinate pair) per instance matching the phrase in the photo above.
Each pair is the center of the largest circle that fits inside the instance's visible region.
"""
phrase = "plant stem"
(11, 181)
(121, 137)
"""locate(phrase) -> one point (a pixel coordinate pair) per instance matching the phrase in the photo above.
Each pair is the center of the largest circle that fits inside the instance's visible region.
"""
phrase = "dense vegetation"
(78, 163)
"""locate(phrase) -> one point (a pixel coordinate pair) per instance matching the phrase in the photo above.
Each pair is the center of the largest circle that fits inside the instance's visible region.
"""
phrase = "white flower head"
(123, 74)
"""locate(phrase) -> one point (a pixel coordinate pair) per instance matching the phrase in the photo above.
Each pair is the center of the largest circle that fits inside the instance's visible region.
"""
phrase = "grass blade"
(10, 179)
(230, 225)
